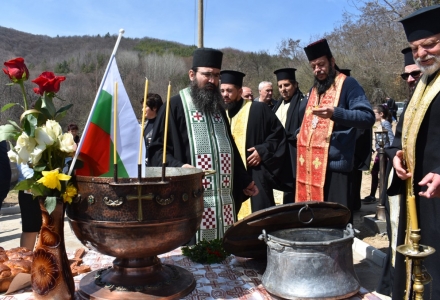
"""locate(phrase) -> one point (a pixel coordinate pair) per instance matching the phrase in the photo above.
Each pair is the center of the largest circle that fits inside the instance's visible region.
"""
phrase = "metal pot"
(310, 263)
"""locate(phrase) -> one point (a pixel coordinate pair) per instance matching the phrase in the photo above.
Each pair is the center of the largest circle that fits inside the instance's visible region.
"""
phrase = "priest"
(336, 109)
(416, 158)
(290, 111)
(260, 138)
(199, 136)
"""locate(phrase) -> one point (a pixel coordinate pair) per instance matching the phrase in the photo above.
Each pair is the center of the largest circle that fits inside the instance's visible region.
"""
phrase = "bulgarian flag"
(96, 146)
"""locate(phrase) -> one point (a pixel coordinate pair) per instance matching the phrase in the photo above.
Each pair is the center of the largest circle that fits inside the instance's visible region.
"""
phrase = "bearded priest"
(199, 137)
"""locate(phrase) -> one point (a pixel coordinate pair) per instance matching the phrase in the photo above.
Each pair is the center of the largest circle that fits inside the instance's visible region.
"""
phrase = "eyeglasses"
(209, 75)
(414, 74)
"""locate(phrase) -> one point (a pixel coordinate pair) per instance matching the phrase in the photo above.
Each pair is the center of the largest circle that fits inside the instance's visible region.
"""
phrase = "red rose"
(48, 82)
(16, 70)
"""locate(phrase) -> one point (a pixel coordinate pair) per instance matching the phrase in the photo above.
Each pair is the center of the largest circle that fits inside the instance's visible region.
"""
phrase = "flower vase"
(51, 275)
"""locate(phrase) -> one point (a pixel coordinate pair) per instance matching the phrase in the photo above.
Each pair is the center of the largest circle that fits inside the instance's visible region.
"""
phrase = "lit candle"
(164, 160)
(412, 212)
(143, 121)
(115, 121)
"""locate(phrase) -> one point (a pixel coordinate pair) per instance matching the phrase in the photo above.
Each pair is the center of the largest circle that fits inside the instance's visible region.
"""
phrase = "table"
(235, 278)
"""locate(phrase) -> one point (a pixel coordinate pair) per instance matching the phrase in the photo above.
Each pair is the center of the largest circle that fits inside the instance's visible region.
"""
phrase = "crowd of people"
(311, 147)
(303, 146)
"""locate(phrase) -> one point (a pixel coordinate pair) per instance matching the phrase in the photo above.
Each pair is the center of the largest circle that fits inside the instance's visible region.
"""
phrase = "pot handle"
(269, 243)
(263, 236)
(306, 207)
(349, 230)
(210, 172)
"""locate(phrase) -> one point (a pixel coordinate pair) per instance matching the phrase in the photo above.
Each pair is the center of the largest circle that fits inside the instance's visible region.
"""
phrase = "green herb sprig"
(206, 252)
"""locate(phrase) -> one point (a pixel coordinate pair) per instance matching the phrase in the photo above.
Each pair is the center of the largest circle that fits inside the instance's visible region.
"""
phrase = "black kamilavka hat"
(422, 23)
(317, 49)
(207, 57)
(408, 56)
(346, 72)
(285, 73)
(232, 77)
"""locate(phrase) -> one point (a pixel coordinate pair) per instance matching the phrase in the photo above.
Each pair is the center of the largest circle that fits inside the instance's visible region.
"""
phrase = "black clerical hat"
(207, 57)
(408, 56)
(285, 73)
(232, 77)
(317, 49)
(346, 72)
(422, 23)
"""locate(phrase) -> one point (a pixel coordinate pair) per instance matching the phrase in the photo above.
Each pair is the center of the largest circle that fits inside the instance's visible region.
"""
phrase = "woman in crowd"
(385, 118)
(154, 102)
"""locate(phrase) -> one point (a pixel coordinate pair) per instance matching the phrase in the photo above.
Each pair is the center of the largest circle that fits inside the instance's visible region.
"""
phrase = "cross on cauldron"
(140, 197)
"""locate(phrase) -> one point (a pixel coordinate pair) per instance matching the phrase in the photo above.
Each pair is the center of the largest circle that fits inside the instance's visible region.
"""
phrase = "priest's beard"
(412, 88)
(429, 70)
(230, 105)
(323, 85)
(206, 99)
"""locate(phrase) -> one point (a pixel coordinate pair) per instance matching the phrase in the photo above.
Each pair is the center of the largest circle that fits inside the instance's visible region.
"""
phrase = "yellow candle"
(413, 212)
(143, 121)
(115, 121)
(164, 160)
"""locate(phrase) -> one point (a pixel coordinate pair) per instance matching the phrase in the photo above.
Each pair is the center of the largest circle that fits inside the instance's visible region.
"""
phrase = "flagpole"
(121, 32)
(115, 133)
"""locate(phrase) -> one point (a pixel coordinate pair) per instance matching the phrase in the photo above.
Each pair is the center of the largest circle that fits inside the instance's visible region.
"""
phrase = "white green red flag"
(97, 142)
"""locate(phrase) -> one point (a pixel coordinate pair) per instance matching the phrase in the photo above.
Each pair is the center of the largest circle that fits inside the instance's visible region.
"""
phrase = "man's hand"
(187, 166)
(254, 159)
(325, 112)
(432, 181)
(400, 167)
(251, 190)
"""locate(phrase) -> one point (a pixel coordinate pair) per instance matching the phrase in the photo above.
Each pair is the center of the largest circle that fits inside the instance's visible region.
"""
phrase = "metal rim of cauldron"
(348, 234)
(187, 172)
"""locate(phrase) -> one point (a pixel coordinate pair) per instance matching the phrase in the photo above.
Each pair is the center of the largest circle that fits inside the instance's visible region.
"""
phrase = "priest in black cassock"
(199, 136)
(416, 156)
(290, 111)
(260, 139)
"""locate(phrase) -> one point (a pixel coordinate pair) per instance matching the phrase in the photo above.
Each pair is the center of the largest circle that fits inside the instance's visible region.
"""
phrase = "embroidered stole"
(414, 115)
(313, 143)
(211, 149)
(239, 128)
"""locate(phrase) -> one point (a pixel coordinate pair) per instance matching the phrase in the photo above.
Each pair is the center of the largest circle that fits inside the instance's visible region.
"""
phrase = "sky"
(248, 25)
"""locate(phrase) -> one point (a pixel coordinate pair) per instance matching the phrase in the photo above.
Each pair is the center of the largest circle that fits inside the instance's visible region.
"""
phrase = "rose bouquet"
(39, 139)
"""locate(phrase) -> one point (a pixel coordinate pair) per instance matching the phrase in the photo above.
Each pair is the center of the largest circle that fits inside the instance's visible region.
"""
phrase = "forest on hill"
(368, 43)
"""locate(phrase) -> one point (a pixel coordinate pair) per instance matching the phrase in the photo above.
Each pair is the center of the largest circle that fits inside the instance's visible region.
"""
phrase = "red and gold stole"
(313, 144)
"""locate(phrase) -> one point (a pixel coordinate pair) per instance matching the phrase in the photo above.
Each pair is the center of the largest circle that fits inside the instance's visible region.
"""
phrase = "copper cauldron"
(134, 222)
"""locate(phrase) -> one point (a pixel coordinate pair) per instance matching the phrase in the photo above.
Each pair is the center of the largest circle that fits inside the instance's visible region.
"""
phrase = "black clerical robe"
(295, 114)
(265, 132)
(428, 210)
